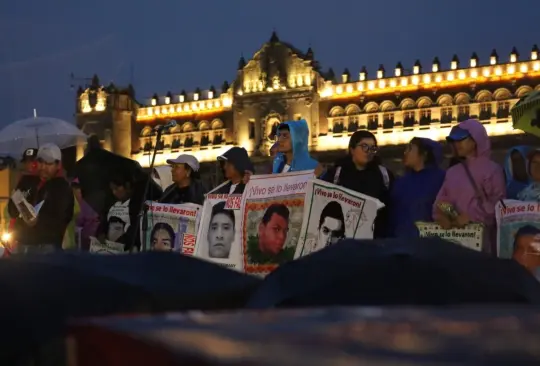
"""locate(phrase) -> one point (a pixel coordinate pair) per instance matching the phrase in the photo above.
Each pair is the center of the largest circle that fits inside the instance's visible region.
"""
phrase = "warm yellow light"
(339, 89)
(393, 83)
(511, 69)
(349, 88)
(6, 237)
(360, 86)
(523, 68)
(473, 62)
(186, 108)
(179, 109)
(474, 74)
(536, 66)
(362, 76)
(240, 92)
(486, 72)
(227, 101)
(427, 79)
(450, 76)
(397, 72)
(404, 82)
(371, 85)
(217, 104)
(435, 68)
(171, 109)
(149, 112)
(416, 70)
(167, 100)
(86, 108)
(453, 65)
(415, 80)
(164, 111)
(462, 75)
(308, 80)
(181, 98)
(194, 106)
(382, 84)
(513, 57)
(438, 78)
(210, 94)
(493, 60)
(154, 101)
(498, 71)
(209, 104)
(534, 55)
(380, 74)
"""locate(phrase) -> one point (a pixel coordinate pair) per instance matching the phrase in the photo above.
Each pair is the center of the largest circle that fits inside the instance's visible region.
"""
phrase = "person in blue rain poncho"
(293, 154)
(515, 170)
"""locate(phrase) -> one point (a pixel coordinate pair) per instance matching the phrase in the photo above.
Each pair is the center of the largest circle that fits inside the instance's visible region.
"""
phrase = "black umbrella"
(95, 170)
(39, 294)
(396, 272)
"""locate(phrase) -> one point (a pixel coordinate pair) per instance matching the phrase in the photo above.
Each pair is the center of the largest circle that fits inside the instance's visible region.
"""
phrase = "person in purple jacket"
(87, 219)
(473, 187)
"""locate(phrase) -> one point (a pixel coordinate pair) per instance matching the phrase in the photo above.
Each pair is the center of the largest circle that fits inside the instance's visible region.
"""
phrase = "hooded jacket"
(513, 186)
(301, 158)
(488, 176)
(412, 195)
(239, 158)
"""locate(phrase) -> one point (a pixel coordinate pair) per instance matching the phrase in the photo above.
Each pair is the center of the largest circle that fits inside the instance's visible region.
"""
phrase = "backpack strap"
(385, 175)
(336, 175)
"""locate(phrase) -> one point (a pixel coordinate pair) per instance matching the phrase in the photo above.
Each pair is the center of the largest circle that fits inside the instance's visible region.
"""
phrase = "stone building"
(281, 83)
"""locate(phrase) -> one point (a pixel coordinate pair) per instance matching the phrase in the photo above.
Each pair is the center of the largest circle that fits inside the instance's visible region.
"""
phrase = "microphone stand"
(143, 210)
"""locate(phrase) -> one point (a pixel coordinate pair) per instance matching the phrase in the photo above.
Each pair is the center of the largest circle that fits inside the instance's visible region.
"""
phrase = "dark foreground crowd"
(467, 191)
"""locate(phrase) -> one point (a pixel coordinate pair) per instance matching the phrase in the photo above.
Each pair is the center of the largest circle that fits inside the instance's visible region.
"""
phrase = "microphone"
(170, 124)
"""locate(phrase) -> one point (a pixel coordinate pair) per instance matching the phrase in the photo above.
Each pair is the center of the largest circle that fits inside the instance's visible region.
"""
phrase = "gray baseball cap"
(49, 153)
(186, 159)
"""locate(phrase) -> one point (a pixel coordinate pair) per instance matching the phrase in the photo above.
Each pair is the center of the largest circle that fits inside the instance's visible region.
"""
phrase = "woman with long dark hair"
(361, 170)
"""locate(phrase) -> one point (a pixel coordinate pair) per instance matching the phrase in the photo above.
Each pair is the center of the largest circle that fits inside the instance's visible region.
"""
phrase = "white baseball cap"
(49, 153)
(186, 159)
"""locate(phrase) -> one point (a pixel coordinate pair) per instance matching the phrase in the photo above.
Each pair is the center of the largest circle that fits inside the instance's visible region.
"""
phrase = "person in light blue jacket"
(293, 154)
(515, 169)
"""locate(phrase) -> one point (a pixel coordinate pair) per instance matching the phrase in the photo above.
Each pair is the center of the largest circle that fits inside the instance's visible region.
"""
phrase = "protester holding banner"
(532, 191)
(236, 164)
(516, 170)
(473, 187)
(413, 195)
(187, 186)
(362, 172)
(293, 154)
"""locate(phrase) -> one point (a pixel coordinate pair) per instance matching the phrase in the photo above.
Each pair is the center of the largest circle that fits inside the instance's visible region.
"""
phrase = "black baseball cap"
(29, 154)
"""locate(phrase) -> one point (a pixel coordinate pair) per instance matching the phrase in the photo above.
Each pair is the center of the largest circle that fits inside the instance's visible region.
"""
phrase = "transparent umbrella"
(36, 131)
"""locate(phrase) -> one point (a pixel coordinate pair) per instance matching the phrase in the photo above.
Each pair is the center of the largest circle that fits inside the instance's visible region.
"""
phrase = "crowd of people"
(467, 191)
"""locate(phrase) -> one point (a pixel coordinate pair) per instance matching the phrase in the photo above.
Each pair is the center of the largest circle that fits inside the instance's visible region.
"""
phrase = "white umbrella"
(36, 131)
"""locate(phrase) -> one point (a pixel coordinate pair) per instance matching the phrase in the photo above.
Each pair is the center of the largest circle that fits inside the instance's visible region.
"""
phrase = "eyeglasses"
(368, 148)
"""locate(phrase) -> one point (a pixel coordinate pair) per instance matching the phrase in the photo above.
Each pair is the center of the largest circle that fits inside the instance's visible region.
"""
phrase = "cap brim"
(222, 158)
(172, 161)
(456, 137)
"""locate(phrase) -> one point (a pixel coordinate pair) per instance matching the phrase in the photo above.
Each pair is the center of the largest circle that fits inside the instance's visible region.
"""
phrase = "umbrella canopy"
(526, 113)
(396, 272)
(49, 290)
(95, 170)
(36, 131)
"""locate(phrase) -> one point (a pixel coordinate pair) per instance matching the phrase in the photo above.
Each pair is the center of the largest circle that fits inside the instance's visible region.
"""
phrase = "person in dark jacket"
(236, 164)
(187, 186)
(412, 196)
(361, 171)
(53, 195)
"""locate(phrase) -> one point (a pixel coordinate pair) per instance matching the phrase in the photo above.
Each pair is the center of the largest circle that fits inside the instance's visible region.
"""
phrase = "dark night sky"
(176, 45)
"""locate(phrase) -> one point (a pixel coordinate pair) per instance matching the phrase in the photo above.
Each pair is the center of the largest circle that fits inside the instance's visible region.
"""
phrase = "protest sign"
(118, 220)
(517, 221)
(171, 227)
(108, 247)
(471, 236)
(219, 234)
(332, 213)
(272, 212)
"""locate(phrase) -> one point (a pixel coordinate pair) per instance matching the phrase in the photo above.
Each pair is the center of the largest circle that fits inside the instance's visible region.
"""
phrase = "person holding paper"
(54, 205)
(473, 187)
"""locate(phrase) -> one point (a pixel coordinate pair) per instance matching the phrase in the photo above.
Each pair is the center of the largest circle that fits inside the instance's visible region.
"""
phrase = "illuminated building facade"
(281, 83)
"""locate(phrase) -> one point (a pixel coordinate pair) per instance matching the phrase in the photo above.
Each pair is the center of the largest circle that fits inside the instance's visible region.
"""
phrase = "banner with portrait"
(518, 231)
(171, 227)
(220, 231)
(332, 213)
(272, 211)
(471, 236)
(118, 220)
